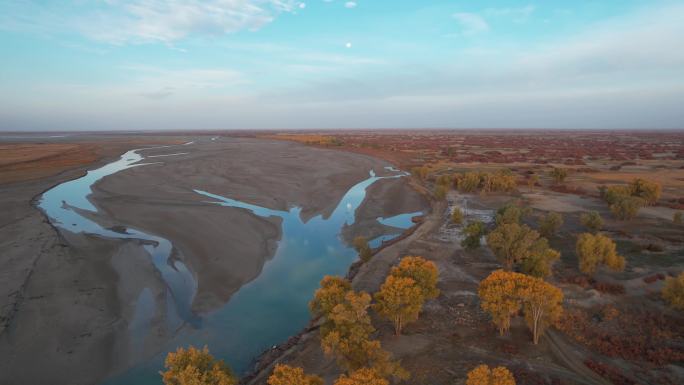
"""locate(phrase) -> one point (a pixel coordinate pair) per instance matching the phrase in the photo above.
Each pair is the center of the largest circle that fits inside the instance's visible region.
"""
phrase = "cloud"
(471, 23)
(517, 15)
(143, 21)
(350, 4)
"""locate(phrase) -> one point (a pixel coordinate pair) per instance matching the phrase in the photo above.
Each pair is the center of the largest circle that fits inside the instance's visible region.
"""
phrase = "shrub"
(549, 224)
(592, 221)
(677, 218)
(673, 292)
(362, 248)
(559, 175)
(474, 231)
(456, 216)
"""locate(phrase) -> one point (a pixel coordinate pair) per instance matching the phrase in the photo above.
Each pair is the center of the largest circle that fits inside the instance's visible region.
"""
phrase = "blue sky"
(225, 64)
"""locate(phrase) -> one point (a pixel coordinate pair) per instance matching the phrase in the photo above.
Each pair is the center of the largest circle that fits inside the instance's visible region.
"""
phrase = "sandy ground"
(68, 299)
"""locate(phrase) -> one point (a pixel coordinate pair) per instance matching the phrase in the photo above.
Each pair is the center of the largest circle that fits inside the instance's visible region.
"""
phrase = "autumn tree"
(361, 246)
(363, 376)
(469, 182)
(193, 366)
(444, 180)
(673, 291)
(503, 293)
(473, 232)
(332, 292)
(456, 216)
(532, 180)
(483, 375)
(542, 304)
(550, 223)
(499, 297)
(399, 300)
(420, 172)
(592, 221)
(288, 375)
(677, 218)
(559, 175)
(347, 338)
(647, 190)
(627, 207)
(513, 243)
(422, 271)
(595, 250)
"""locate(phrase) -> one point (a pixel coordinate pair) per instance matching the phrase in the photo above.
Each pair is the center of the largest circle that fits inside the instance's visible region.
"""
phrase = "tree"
(627, 207)
(483, 375)
(550, 223)
(196, 367)
(456, 216)
(420, 172)
(647, 190)
(444, 180)
(332, 292)
(559, 175)
(539, 259)
(469, 182)
(474, 231)
(288, 375)
(347, 338)
(532, 180)
(362, 376)
(361, 246)
(592, 221)
(399, 300)
(677, 218)
(673, 291)
(511, 243)
(596, 250)
(422, 271)
(441, 191)
(542, 305)
(510, 213)
(499, 297)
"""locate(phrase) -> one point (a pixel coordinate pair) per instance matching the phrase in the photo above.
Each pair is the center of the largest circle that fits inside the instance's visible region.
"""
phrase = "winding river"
(264, 312)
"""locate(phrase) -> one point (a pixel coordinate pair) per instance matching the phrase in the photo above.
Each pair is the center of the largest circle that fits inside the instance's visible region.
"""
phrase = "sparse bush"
(362, 248)
(474, 231)
(673, 292)
(456, 216)
(550, 223)
(627, 207)
(592, 221)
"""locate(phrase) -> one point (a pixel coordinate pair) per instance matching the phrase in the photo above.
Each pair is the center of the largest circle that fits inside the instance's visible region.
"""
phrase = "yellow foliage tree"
(503, 293)
(499, 297)
(456, 216)
(647, 190)
(193, 366)
(673, 291)
(594, 250)
(483, 375)
(347, 338)
(288, 375)
(542, 303)
(362, 376)
(422, 271)
(399, 300)
(331, 293)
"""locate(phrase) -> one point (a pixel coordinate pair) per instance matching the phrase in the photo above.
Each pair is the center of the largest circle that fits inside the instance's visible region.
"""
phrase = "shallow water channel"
(264, 312)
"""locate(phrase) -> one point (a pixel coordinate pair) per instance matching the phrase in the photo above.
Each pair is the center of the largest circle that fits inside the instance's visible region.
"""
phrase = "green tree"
(626, 207)
(539, 259)
(473, 232)
(592, 221)
(559, 175)
(400, 300)
(550, 223)
(673, 291)
(288, 375)
(510, 213)
(362, 248)
(595, 250)
(456, 216)
(513, 243)
(193, 366)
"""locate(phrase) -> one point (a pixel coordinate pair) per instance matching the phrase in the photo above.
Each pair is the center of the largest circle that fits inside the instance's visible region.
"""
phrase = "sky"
(316, 64)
